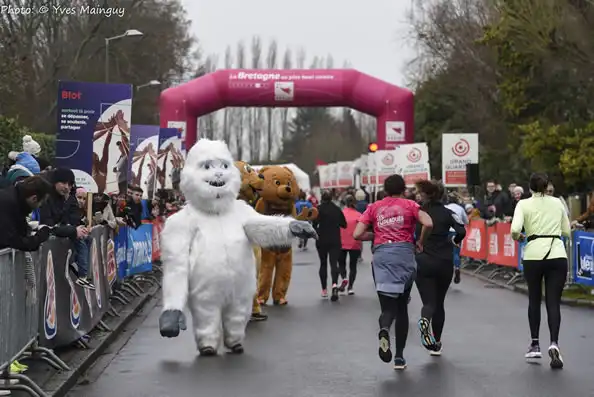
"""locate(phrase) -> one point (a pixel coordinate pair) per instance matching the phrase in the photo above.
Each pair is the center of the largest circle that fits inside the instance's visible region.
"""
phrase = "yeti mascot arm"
(268, 231)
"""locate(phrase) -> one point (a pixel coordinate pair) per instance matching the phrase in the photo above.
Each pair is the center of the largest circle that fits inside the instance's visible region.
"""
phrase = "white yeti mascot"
(206, 249)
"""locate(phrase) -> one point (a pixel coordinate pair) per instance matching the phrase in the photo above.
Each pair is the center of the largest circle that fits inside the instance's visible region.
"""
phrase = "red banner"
(493, 244)
(475, 244)
(157, 228)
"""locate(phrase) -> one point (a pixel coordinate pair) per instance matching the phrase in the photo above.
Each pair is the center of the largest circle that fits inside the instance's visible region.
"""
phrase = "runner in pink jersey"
(394, 220)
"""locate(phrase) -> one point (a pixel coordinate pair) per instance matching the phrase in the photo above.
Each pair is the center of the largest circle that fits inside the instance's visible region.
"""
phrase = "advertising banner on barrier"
(475, 245)
(70, 311)
(583, 256)
(457, 150)
(139, 250)
(93, 134)
(169, 158)
(345, 170)
(120, 243)
(142, 167)
(413, 160)
(505, 251)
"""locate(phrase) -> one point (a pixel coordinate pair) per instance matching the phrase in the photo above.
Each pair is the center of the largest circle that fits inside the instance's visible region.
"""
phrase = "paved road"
(317, 348)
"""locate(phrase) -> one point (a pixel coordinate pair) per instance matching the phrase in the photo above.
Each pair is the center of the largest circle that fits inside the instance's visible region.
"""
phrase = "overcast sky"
(370, 37)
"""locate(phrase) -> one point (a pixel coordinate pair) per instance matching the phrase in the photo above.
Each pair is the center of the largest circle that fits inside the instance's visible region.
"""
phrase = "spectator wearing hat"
(61, 211)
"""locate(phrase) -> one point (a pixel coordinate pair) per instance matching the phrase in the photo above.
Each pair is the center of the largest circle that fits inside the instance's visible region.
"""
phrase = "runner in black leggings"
(545, 220)
(435, 266)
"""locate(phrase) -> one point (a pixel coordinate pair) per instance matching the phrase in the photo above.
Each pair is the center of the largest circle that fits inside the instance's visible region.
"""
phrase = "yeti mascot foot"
(206, 250)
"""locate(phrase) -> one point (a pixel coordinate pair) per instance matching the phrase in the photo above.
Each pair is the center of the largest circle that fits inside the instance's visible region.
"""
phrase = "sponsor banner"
(139, 250)
(503, 250)
(120, 244)
(142, 168)
(385, 163)
(333, 174)
(170, 158)
(395, 133)
(413, 162)
(457, 151)
(324, 175)
(71, 311)
(94, 134)
(475, 244)
(583, 257)
(345, 173)
(365, 170)
(181, 128)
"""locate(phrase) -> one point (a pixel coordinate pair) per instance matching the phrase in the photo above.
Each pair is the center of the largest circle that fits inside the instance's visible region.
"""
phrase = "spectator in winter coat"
(25, 166)
(62, 211)
(16, 203)
(496, 202)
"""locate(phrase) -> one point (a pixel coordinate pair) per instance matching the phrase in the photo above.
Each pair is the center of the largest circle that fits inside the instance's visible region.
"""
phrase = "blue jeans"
(457, 260)
(81, 249)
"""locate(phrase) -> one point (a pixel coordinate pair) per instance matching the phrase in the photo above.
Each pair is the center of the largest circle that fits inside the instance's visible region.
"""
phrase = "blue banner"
(144, 145)
(583, 257)
(94, 134)
(120, 241)
(170, 157)
(139, 250)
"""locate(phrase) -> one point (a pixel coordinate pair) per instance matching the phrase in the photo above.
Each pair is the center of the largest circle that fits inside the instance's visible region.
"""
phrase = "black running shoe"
(457, 276)
(334, 296)
(385, 353)
(436, 349)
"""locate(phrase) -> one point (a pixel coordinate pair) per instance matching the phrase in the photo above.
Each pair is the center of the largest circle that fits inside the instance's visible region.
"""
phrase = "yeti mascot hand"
(206, 249)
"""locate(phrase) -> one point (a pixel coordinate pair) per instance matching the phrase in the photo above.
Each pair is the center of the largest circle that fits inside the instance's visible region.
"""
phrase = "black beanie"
(64, 175)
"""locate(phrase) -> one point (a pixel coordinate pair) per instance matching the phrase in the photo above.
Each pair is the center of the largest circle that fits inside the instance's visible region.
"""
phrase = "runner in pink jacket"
(350, 246)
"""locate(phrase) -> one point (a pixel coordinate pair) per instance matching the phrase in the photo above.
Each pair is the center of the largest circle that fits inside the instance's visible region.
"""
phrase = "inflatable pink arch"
(392, 106)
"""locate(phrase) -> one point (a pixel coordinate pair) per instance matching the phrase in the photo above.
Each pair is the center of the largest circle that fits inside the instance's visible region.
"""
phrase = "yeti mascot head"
(209, 180)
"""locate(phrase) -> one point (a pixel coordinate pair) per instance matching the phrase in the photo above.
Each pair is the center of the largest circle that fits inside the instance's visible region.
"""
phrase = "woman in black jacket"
(330, 220)
(435, 264)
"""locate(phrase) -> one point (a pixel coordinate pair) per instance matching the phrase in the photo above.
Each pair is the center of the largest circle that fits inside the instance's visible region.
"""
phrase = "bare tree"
(256, 112)
(287, 64)
(238, 113)
(329, 62)
(271, 63)
(227, 111)
(301, 57)
(207, 124)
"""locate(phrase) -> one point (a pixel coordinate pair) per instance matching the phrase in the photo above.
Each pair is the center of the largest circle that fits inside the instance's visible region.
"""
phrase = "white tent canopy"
(300, 175)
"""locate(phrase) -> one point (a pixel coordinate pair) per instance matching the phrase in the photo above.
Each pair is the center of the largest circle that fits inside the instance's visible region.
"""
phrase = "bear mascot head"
(280, 192)
(251, 182)
(209, 180)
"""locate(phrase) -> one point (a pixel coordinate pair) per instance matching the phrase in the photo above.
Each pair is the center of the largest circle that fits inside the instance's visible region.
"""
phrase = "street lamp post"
(151, 83)
(127, 33)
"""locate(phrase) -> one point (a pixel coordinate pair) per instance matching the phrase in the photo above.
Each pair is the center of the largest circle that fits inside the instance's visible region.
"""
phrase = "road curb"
(524, 290)
(66, 380)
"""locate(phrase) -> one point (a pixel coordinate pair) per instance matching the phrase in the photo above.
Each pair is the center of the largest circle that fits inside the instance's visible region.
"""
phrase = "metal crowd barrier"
(490, 248)
(42, 308)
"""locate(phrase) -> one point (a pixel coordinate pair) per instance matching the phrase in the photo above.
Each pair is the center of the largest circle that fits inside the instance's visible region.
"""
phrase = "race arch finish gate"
(392, 106)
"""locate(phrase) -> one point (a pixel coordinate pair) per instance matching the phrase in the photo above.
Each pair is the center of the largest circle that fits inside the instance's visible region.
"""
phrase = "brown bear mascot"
(278, 197)
(251, 185)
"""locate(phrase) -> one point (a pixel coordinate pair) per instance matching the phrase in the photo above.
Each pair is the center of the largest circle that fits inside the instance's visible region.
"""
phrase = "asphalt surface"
(317, 348)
